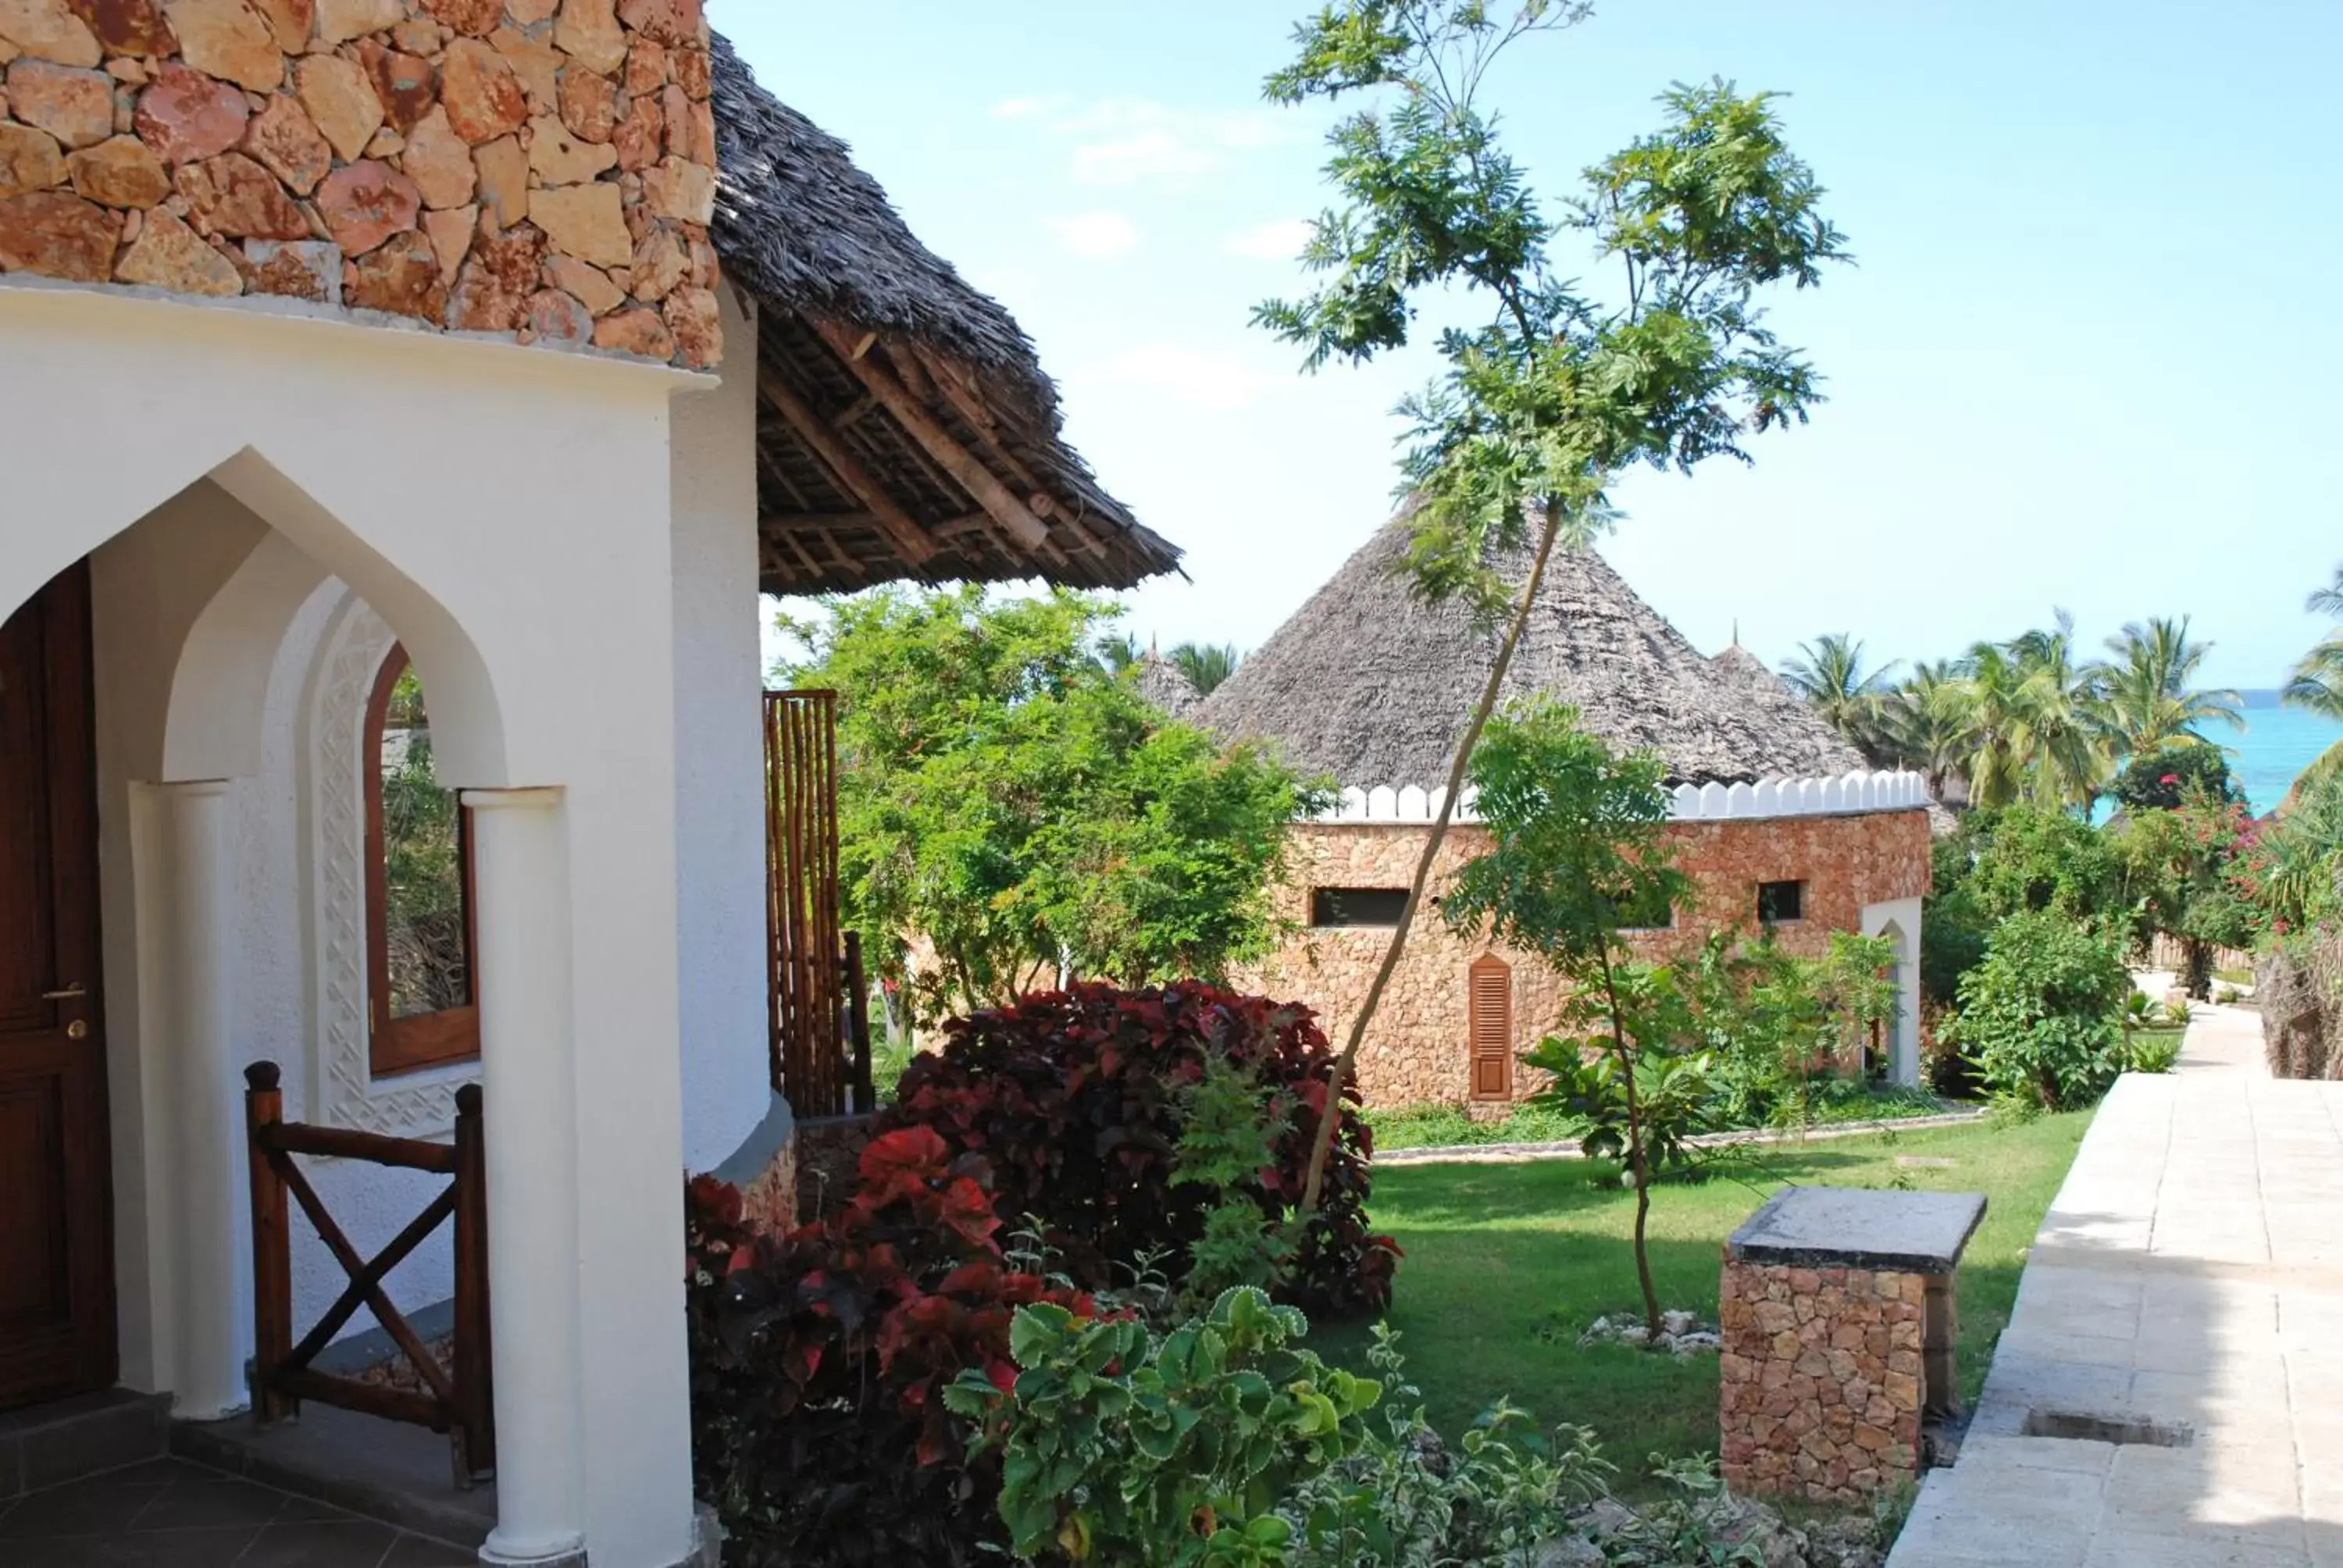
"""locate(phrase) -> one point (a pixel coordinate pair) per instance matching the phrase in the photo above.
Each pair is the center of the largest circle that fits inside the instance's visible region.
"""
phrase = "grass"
(1444, 1126)
(1506, 1265)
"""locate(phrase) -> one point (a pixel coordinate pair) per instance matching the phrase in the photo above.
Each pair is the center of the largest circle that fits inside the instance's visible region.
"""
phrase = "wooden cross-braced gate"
(821, 1022)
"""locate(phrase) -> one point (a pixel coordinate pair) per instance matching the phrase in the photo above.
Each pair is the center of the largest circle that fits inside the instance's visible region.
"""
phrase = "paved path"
(2187, 1285)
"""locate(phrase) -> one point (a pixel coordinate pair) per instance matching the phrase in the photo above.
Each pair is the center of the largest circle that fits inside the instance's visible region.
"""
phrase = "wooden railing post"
(476, 1447)
(272, 1247)
(858, 1024)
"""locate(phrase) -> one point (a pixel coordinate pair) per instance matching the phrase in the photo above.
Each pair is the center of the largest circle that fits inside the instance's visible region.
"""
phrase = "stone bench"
(1837, 1314)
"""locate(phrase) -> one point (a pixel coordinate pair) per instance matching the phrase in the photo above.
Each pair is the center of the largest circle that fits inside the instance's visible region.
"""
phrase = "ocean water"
(2275, 746)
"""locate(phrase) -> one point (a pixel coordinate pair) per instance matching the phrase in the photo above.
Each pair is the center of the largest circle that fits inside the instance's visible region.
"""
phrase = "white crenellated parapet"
(1712, 802)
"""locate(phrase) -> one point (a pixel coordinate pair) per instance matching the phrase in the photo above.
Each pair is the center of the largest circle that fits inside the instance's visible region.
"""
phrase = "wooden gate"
(821, 1046)
(1491, 1027)
(456, 1399)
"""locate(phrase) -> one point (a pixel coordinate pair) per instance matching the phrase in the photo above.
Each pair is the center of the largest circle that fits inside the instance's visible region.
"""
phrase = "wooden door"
(57, 1251)
(1491, 1029)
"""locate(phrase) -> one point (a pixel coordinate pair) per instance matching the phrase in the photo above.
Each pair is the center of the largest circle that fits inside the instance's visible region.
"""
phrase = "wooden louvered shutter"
(1492, 1027)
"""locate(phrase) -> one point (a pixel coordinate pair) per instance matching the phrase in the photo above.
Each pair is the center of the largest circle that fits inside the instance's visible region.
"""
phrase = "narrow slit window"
(1339, 906)
(1780, 901)
(420, 936)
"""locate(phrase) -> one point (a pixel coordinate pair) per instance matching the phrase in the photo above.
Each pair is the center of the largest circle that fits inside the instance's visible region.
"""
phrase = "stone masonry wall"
(543, 170)
(1416, 1050)
(1821, 1384)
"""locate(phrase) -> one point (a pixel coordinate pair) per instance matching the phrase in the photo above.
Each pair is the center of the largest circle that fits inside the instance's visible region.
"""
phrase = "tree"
(2178, 869)
(2150, 703)
(1004, 797)
(1918, 730)
(2029, 714)
(1829, 674)
(2316, 682)
(1578, 848)
(1206, 665)
(2042, 1016)
(1556, 391)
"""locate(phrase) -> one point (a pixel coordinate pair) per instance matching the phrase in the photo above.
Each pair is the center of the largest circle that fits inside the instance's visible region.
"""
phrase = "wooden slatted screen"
(805, 954)
(1491, 1029)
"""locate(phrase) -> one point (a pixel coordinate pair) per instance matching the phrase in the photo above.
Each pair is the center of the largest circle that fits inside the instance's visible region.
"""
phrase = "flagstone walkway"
(2170, 1387)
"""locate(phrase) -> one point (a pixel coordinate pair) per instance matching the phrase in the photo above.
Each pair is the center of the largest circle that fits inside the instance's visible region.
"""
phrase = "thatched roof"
(1374, 687)
(1165, 686)
(907, 430)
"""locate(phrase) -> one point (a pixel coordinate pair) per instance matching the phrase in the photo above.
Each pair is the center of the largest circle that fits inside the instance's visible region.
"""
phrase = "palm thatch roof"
(1372, 686)
(1165, 686)
(905, 428)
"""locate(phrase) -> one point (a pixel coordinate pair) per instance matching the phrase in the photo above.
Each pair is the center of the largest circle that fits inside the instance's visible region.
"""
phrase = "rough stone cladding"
(1820, 1381)
(1415, 1053)
(542, 170)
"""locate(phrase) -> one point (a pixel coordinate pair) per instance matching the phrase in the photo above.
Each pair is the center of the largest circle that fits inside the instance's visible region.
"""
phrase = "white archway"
(1899, 921)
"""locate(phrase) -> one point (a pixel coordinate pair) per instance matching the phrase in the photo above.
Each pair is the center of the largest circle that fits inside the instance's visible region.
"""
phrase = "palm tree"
(1916, 730)
(1829, 674)
(2317, 683)
(2150, 703)
(1206, 665)
(2031, 718)
(1118, 650)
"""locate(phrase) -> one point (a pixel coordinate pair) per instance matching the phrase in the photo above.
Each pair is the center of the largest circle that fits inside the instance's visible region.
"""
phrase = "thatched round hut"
(1166, 686)
(1778, 820)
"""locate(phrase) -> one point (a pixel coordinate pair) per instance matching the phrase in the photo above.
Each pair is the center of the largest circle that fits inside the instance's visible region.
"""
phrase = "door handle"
(71, 993)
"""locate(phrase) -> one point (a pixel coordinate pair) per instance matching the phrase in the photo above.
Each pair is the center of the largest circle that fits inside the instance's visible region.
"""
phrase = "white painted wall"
(1904, 915)
(719, 826)
(508, 512)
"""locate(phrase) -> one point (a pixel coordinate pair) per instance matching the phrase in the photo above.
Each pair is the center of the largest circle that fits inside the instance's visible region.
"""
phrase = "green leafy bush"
(1118, 1447)
(2153, 1053)
(2042, 1015)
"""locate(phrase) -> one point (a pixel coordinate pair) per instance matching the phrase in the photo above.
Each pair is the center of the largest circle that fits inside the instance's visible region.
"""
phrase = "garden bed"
(1506, 1266)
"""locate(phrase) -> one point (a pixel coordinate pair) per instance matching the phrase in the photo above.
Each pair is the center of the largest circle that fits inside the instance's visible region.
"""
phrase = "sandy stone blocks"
(543, 169)
(1815, 1399)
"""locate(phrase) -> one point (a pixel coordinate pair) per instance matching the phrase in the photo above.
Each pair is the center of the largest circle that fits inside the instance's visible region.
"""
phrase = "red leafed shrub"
(1073, 1100)
(818, 1360)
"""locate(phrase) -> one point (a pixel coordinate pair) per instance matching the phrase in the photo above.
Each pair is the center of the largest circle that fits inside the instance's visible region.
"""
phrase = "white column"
(206, 1111)
(522, 899)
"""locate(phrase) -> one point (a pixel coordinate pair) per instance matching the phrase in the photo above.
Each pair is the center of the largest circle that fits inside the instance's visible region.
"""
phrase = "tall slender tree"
(2032, 715)
(1557, 388)
(1206, 664)
(1829, 673)
(2316, 681)
(2151, 699)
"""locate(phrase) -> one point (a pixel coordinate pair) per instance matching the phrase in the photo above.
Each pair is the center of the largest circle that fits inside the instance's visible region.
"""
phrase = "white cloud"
(1120, 142)
(1099, 235)
(1200, 377)
(1280, 241)
(1029, 108)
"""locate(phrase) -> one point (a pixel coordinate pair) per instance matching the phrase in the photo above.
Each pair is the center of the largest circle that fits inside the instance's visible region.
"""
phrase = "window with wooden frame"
(1489, 1005)
(420, 934)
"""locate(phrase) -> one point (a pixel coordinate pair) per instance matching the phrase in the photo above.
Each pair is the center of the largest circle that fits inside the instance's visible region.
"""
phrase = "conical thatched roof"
(1372, 686)
(906, 427)
(1165, 686)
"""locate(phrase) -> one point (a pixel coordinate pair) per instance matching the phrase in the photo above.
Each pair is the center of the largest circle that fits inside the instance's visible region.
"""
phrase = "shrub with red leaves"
(818, 1360)
(1073, 1100)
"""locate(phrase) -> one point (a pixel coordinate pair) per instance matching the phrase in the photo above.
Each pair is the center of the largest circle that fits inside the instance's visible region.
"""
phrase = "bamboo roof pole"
(908, 536)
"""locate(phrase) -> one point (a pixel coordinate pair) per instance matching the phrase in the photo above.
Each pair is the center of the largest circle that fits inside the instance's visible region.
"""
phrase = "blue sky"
(2086, 359)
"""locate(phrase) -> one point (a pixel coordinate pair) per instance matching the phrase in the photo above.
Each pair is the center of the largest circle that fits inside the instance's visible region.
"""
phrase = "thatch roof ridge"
(1165, 686)
(1369, 684)
(907, 427)
(798, 222)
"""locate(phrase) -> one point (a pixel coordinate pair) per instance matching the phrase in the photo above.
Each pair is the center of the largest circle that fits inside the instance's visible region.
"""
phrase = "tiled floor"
(2185, 1294)
(169, 1514)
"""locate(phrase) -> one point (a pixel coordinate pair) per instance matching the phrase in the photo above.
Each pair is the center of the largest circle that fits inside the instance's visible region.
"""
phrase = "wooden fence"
(458, 1400)
(821, 1027)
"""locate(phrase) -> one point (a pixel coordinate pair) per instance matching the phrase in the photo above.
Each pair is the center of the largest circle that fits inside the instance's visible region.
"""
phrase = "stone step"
(401, 1475)
(50, 1444)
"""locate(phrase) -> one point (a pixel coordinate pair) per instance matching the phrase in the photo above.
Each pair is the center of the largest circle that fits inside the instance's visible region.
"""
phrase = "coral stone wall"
(1416, 1049)
(1821, 1381)
(539, 169)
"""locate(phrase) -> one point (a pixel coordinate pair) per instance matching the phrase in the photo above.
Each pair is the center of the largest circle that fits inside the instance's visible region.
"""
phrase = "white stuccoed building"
(547, 464)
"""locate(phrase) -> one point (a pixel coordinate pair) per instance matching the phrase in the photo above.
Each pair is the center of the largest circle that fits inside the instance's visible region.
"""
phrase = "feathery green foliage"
(1002, 794)
(1560, 387)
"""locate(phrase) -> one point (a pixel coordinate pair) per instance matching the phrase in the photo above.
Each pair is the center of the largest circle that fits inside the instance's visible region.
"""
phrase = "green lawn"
(1506, 1263)
(1437, 1126)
